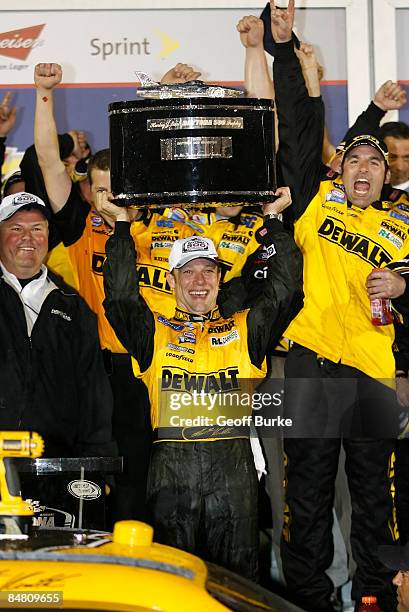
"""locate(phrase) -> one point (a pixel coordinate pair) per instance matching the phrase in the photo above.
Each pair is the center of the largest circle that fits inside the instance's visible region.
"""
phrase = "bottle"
(381, 309)
(369, 604)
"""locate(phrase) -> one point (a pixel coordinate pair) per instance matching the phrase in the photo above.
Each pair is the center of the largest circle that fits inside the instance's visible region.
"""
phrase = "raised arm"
(7, 120)
(301, 117)
(258, 82)
(310, 69)
(125, 308)
(281, 295)
(57, 181)
(389, 96)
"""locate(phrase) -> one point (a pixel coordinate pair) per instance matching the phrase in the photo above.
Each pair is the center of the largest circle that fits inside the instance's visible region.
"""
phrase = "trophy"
(191, 144)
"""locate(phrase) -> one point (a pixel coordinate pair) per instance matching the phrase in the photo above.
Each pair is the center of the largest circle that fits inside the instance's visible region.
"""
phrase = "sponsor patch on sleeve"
(267, 252)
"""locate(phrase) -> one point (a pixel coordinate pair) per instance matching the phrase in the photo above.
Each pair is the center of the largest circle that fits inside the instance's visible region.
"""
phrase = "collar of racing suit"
(212, 315)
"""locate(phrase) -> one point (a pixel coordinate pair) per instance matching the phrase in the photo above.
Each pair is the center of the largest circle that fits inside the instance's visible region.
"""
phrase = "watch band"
(272, 215)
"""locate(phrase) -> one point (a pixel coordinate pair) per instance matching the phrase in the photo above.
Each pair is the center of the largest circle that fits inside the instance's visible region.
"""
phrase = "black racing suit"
(202, 494)
(307, 545)
(402, 446)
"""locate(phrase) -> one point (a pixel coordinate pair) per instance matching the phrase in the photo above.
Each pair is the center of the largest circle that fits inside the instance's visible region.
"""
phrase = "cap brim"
(12, 179)
(33, 206)
(394, 557)
(362, 143)
(187, 259)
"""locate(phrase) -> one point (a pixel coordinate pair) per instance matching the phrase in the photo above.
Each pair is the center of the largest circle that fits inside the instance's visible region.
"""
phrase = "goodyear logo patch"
(336, 209)
(179, 357)
(335, 231)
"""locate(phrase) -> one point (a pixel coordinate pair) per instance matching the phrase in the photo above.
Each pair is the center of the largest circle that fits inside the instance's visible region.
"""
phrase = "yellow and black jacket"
(341, 243)
(178, 354)
(86, 233)
(234, 239)
(154, 237)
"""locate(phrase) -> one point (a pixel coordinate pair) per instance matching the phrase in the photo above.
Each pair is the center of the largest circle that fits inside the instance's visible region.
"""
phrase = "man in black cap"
(397, 559)
(52, 379)
(340, 371)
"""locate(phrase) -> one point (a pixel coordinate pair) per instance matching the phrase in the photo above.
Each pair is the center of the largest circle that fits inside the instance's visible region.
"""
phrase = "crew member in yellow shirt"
(341, 367)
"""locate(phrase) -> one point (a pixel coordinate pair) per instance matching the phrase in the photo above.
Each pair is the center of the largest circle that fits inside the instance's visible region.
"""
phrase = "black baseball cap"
(369, 140)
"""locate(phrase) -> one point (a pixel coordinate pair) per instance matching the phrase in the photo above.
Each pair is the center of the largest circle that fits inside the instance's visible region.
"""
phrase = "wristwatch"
(272, 215)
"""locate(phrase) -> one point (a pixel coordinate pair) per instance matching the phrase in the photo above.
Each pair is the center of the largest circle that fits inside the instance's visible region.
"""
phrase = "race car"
(77, 569)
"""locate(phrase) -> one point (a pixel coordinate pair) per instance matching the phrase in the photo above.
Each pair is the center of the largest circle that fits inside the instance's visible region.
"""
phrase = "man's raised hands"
(251, 31)
(282, 21)
(47, 76)
(390, 96)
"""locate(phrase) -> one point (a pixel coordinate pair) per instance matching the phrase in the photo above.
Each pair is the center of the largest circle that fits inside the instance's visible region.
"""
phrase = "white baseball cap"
(187, 249)
(22, 200)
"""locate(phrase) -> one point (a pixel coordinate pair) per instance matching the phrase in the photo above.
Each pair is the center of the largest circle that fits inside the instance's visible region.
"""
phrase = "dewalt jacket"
(189, 352)
(85, 232)
(341, 243)
(234, 240)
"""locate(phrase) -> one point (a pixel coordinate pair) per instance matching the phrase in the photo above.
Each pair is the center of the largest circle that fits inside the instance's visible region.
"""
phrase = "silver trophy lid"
(191, 89)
